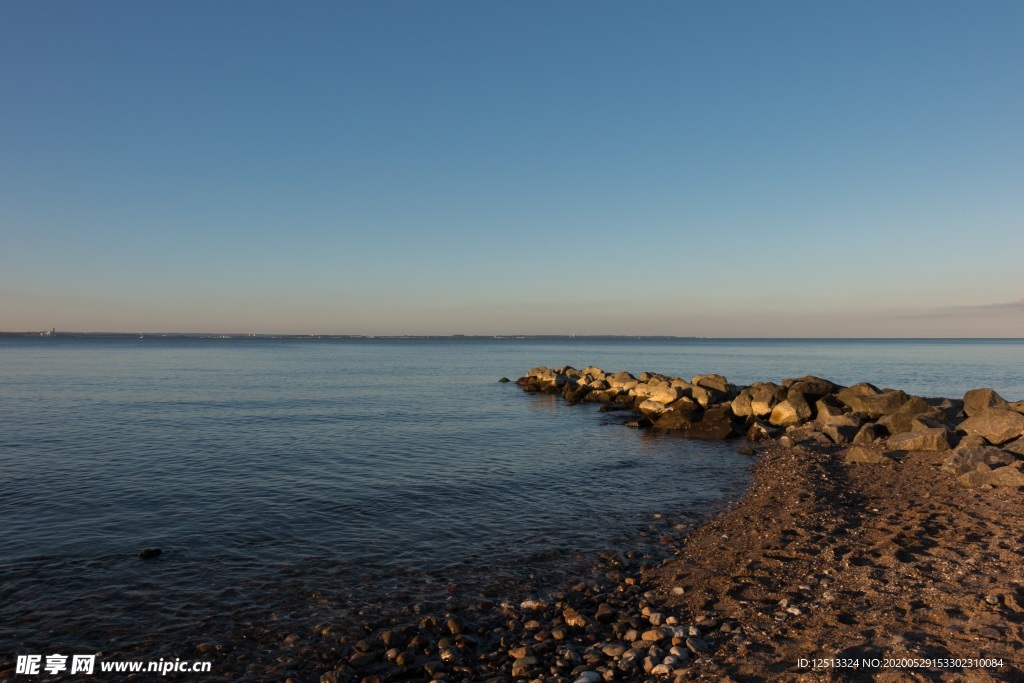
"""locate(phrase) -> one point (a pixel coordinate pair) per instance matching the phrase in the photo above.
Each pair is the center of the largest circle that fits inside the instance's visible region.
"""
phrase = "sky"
(729, 169)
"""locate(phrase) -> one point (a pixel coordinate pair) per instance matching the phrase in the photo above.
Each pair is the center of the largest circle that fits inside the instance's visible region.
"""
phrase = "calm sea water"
(302, 478)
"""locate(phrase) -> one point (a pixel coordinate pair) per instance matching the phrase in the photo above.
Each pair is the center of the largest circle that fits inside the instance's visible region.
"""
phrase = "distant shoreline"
(559, 337)
(234, 335)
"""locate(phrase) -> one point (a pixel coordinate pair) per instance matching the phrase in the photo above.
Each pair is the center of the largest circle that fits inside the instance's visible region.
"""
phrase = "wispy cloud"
(1002, 308)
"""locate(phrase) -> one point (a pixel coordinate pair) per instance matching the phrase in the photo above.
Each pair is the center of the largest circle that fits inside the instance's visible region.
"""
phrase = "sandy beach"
(826, 564)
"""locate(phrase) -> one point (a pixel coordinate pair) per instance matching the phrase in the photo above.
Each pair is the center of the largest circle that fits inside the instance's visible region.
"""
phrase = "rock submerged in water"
(150, 553)
(809, 414)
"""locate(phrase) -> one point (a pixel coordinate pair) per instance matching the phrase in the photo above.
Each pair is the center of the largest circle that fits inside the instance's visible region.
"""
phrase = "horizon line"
(262, 335)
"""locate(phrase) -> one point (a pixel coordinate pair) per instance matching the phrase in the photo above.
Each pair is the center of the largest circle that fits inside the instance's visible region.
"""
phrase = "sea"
(301, 482)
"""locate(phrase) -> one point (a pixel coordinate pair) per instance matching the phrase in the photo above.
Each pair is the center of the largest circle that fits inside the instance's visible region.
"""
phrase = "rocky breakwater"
(824, 557)
(981, 435)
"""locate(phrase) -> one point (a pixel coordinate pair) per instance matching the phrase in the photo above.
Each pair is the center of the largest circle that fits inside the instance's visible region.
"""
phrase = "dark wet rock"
(996, 425)
(675, 420)
(504, 380)
(603, 396)
(977, 401)
(575, 393)
(716, 423)
(361, 659)
(150, 553)
(605, 614)
(642, 422)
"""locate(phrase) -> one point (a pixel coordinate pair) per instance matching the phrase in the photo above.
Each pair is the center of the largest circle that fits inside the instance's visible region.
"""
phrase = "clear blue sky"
(712, 169)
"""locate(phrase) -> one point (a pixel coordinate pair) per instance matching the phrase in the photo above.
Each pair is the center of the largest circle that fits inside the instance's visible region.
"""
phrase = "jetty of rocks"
(850, 543)
(982, 432)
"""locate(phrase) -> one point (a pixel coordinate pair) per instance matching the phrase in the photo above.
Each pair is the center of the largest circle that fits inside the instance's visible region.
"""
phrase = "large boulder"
(868, 434)
(810, 386)
(546, 376)
(900, 423)
(808, 433)
(1015, 447)
(868, 399)
(1009, 476)
(915, 405)
(794, 410)
(663, 393)
(575, 393)
(741, 404)
(996, 425)
(673, 420)
(716, 382)
(621, 380)
(764, 396)
(715, 424)
(651, 408)
(828, 410)
(979, 400)
(839, 433)
(602, 395)
(927, 439)
(972, 451)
